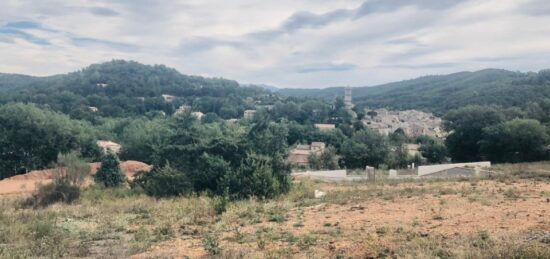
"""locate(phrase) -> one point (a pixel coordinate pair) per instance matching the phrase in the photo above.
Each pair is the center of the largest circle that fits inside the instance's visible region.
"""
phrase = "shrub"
(51, 193)
(69, 176)
(256, 177)
(163, 182)
(211, 243)
(110, 174)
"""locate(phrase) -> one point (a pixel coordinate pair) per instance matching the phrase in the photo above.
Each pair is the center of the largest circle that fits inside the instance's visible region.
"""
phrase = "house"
(197, 115)
(412, 149)
(317, 146)
(299, 156)
(102, 85)
(93, 109)
(325, 126)
(182, 109)
(107, 146)
(249, 114)
(168, 98)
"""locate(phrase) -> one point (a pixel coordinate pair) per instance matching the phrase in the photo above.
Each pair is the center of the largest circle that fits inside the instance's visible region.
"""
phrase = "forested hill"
(442, 93)
(123, 88)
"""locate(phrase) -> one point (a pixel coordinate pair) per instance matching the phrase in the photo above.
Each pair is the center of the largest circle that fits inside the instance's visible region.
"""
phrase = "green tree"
(164, 182)
(31, 138)
(326, 159)
(254, 177)
(518, 140)
(365, 147)
(433, 150)
(466, 130)
(110, 174)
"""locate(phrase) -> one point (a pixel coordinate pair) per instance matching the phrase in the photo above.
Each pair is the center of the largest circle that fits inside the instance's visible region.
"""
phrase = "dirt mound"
(26, 183)
(34, 175)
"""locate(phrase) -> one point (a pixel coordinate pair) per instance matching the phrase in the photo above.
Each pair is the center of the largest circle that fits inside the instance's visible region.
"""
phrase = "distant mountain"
(124, 88)
(444, 92)
(14, 81)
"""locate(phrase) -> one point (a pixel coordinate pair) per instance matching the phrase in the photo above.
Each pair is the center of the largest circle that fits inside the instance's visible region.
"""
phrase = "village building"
(197, 115)
(93, 109)
(182, 109)
(299, 156)
(168, 98)
(414, 123)
(325, 127)
(249, 114)
(413, 149)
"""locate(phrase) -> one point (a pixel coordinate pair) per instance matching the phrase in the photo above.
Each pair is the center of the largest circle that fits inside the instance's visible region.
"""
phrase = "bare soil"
(460, 210)
(27, 183)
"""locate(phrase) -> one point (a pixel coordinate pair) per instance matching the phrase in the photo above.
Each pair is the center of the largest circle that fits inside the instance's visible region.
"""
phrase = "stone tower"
(347, 98)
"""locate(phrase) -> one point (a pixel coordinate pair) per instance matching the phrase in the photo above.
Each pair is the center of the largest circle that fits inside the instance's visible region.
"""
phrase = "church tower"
(347, 98)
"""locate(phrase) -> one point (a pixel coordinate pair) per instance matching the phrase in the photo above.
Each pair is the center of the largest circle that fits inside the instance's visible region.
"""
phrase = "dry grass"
(501, 216)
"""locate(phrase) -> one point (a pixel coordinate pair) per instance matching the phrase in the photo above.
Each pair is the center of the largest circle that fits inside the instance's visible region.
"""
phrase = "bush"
(110, 174)
(52, 193)
(256, 177)
(163, 182)
(69, 176)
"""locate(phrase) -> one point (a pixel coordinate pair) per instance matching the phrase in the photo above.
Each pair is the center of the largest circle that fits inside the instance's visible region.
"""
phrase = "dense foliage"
(496, 134)
(31, 138)
(242, 159)
(440, 94)
(123, 88)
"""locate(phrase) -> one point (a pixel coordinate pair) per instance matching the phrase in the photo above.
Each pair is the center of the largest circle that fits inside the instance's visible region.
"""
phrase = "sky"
(284, 43)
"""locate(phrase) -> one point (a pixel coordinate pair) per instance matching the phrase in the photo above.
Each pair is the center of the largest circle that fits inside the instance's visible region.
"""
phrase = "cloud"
(308, 43)
(102, 11)
(90, 42)
(333, 67)
(16, 30)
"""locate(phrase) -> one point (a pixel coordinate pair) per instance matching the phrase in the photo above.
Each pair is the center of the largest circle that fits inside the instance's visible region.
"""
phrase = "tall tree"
(466, 130)
(518, 140)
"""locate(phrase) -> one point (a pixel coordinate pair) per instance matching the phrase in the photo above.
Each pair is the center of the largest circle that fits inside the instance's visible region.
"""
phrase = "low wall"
(430, 169)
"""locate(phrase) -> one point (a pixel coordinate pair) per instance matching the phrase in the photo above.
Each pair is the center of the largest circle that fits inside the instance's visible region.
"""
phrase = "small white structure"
(428, 170)
(107, 146)
(249, 114)
(197, 115)
(168, 98)
(182, 109)
(325, 126)
(393, 174)
(102, 85)
(93, 109)
(319, 194)
(332, 175)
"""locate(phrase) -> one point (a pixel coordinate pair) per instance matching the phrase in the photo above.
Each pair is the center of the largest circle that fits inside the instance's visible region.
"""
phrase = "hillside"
(123, 88)
(441, 93)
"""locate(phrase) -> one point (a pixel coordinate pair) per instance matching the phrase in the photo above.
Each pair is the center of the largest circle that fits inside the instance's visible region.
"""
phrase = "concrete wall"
(430, 169)
(329, 176)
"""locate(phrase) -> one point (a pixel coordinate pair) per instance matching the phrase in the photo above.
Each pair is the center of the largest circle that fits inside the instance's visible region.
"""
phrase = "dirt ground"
(451, 211)
(27, 183)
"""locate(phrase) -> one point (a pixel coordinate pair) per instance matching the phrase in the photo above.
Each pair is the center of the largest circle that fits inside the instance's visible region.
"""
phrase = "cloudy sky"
(286, 43)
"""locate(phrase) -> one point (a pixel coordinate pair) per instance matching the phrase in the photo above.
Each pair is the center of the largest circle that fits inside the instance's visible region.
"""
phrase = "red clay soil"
(26, 183)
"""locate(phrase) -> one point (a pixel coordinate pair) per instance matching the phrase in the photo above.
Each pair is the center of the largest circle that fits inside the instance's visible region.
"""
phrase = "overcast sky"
(286, 43)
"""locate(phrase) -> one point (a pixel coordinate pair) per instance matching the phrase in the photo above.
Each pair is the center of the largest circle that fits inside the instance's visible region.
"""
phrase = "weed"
(512, 193)
(211, 243)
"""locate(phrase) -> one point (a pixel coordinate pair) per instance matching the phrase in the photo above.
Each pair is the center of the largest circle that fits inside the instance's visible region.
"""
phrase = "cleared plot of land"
(27, 183)
(501, 217)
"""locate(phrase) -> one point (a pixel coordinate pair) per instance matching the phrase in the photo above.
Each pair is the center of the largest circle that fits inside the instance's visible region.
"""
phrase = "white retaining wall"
(430, 169)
